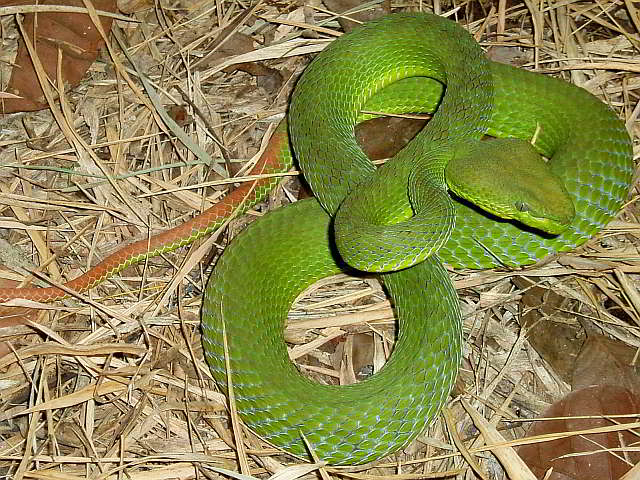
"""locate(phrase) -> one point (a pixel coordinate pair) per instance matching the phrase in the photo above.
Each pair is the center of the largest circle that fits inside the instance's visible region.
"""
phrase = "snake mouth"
(550, 225)
(462, 203)
(544, 225)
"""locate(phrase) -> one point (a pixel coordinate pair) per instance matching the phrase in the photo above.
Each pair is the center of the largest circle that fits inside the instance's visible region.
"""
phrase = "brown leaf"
(229, 43)
(362, 350)
(605, 361)
(598, 401)
(383, 137)
(73, 33)
(558, 343)
(179, 114)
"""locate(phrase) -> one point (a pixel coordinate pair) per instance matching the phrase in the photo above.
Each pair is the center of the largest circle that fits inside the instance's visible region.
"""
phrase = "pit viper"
(449, 196)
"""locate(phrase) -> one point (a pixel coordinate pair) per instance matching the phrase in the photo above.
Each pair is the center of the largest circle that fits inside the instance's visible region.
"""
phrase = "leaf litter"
(149, 408)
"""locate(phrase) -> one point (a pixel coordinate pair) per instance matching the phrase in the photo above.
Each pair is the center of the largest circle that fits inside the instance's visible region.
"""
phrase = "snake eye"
(521, 206)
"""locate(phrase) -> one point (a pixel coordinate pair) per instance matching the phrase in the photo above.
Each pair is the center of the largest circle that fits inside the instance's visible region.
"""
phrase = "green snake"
(399, 216)
(401, 219)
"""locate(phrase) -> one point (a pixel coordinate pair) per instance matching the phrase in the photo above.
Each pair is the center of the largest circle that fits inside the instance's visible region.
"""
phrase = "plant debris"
(76, 405)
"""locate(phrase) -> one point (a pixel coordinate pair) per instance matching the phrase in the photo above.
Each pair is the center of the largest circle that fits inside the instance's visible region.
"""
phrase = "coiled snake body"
(398, 219)
(389, 222)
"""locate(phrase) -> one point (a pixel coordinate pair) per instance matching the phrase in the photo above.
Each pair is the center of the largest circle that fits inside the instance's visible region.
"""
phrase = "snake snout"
(552, 214)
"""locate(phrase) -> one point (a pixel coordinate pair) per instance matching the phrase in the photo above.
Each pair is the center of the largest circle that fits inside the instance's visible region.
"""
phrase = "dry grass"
(116, 387)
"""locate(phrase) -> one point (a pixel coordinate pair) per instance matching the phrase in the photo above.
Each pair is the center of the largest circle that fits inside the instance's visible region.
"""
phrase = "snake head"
(509, 179)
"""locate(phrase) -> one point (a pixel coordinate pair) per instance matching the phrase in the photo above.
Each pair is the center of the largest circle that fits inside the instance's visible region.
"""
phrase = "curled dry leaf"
(354, 355)
(598, 401)
(73, 33)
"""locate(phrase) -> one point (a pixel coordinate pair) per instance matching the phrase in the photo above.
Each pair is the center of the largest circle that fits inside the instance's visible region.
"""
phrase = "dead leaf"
(598, 401)
(72, 33)
(362, 355)
(557, 342)
(383, 137)
(354, 358)
(269, 79)
(230, 42)
(605, 361)
(79, 396)
(179, 114)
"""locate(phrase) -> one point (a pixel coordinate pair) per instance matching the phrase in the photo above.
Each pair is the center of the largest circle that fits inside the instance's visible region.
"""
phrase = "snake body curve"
(259, 276)
(269, 264)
